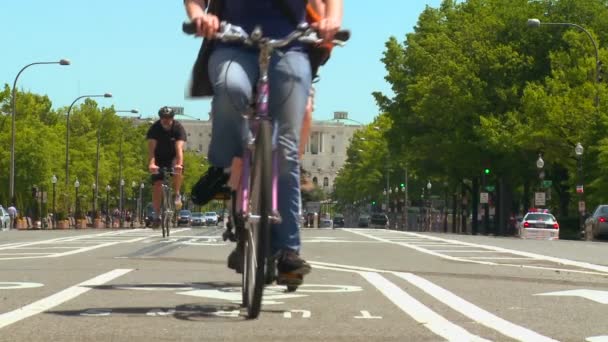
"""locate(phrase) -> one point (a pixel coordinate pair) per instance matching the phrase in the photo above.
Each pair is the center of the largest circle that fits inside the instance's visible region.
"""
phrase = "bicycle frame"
(252, 122)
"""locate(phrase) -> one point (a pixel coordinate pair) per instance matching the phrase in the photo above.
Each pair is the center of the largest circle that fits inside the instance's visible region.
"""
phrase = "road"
(366, 285)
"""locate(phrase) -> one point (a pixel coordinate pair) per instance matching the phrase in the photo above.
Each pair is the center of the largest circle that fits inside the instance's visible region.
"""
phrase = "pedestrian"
(12, 213)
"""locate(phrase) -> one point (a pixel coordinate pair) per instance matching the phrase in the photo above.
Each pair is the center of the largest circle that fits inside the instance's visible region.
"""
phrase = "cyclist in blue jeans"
(233, 72)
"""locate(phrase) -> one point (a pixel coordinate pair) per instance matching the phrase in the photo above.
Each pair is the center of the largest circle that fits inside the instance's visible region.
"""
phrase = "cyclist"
(166, 138)
(233, 71)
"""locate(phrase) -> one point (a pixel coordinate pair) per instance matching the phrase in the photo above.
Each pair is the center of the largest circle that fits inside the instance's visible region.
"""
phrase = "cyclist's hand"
(207, 25)
(327, 28)
(153, 168)
(178, 169)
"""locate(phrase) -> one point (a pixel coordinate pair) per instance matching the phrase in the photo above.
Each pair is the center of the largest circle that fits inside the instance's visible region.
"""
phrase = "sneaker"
(306, 183)
(235, 260)
(212, 183)
(290, 262)
(178, 202)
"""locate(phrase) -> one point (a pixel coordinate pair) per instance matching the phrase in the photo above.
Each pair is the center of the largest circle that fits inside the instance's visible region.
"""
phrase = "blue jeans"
(234, 72)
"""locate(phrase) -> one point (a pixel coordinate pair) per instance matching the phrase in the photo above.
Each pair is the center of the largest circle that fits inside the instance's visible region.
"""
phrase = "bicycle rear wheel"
(257, 243)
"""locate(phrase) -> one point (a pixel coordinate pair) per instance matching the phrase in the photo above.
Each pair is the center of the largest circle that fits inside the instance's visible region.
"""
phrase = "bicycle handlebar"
(233, 33)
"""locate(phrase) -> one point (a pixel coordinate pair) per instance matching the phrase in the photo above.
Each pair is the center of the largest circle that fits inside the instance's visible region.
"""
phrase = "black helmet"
(166, 112)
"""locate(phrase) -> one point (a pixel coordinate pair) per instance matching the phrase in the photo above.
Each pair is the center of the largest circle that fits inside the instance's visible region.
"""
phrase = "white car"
(211, 218)
(539, 225)
(5, 219)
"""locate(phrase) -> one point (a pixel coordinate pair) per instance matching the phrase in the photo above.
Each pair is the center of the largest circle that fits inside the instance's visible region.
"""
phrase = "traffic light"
(403, 185)
(486, 171)
(373, 202)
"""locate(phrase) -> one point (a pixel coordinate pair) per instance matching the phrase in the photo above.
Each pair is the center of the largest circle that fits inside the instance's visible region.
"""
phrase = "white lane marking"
(472, 311)
(58, 298)
(499, 258)
(597, 339)
(366, 315)
(16, 285)
(594, 295)
(418, 311)
(601, 270)
(305, 313)
(466, 308)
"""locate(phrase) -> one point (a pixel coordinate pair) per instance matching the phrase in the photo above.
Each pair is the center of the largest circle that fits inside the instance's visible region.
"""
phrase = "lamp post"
(141, 203)
(94, 212)
(134, 111)
(108, 188)
(428, 187)
(598, 63)
(133, 205)
(13, 114)
(540, 164)
(67, 134)
(77, 185)
(120, 201)
(578, 150)
(54, 181)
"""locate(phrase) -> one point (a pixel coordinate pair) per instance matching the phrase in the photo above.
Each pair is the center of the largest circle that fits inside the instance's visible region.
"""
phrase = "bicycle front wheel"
(257, 246)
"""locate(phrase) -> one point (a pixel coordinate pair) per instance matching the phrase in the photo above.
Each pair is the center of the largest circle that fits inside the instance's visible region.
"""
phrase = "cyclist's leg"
(290, 83)
(156, 196)
(306, 183)
(178, 178)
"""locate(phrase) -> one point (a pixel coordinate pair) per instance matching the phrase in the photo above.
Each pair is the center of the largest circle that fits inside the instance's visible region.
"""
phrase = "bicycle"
(166, 202)
(254, 205)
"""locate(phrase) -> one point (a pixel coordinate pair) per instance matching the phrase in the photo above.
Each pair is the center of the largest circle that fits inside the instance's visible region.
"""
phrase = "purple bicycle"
(254, 206)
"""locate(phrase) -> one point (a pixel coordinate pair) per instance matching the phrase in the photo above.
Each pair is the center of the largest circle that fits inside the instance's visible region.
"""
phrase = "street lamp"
(578, 150)
(77, 185)
(94, 188)
(598, 64)
(54, 181)
(67, 133)
(430, 216)
(13, 114)
(141, 203)
(120, 205)
(108, 188)
(133, 205)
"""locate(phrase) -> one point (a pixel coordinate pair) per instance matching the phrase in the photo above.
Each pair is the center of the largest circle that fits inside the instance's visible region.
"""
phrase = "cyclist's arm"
(206, 24)
(179, 153)
(151, 149)
(331, 13)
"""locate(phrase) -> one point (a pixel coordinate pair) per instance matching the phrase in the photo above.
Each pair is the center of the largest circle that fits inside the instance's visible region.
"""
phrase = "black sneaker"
(212, 183)
(290, 262)
(235, 260)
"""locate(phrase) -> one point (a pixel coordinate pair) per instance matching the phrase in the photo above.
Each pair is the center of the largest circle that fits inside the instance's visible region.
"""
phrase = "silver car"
(597, 224)
(5, 219)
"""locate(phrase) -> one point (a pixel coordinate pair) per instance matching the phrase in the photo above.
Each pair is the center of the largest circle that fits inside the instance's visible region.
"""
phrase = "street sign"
(178, 110)
(539, 198)
(483, 198)
(490, 188)
(547, 183)
(581, 206)
(340, 115)
(580, 189)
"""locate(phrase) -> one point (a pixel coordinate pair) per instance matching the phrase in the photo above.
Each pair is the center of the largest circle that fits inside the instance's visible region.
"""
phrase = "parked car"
(325, 222)
(363, 221)
(198, 219)
(184, 218)
(597, 224)
(379, 220)
(211, 218)
(539, 224)
(5, 219)
(338, 221)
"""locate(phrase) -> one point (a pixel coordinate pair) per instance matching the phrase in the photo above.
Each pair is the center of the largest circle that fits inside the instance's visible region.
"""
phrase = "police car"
(539, 224)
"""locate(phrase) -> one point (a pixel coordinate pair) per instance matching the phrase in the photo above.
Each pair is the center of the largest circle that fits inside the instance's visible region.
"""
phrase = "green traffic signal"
(373, 202)
(486, 171)
(403, 185)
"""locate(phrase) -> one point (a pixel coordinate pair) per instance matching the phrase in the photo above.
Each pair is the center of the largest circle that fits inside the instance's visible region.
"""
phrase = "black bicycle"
(167, 207)
(254, 205)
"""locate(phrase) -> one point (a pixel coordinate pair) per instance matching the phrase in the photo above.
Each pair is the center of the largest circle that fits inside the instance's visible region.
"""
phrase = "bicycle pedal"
(290, 279)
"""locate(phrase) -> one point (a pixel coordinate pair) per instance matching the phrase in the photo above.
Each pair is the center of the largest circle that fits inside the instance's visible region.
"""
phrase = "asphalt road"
(366, 285)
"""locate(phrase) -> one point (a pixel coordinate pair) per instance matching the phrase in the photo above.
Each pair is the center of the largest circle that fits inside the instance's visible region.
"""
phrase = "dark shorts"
(161, 176)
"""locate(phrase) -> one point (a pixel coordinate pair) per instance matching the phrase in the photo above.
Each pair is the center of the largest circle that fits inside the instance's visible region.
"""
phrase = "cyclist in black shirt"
(166, 138)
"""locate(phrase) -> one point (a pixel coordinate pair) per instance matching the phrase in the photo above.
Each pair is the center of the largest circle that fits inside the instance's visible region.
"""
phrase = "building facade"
(324, 155)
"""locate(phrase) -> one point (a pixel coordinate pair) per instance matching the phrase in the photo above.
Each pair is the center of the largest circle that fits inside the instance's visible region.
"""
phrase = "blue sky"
(136, 51)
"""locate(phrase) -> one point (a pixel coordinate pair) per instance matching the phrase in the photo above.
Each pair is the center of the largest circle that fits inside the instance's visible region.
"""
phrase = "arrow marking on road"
(366, 315)
(594, 295)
